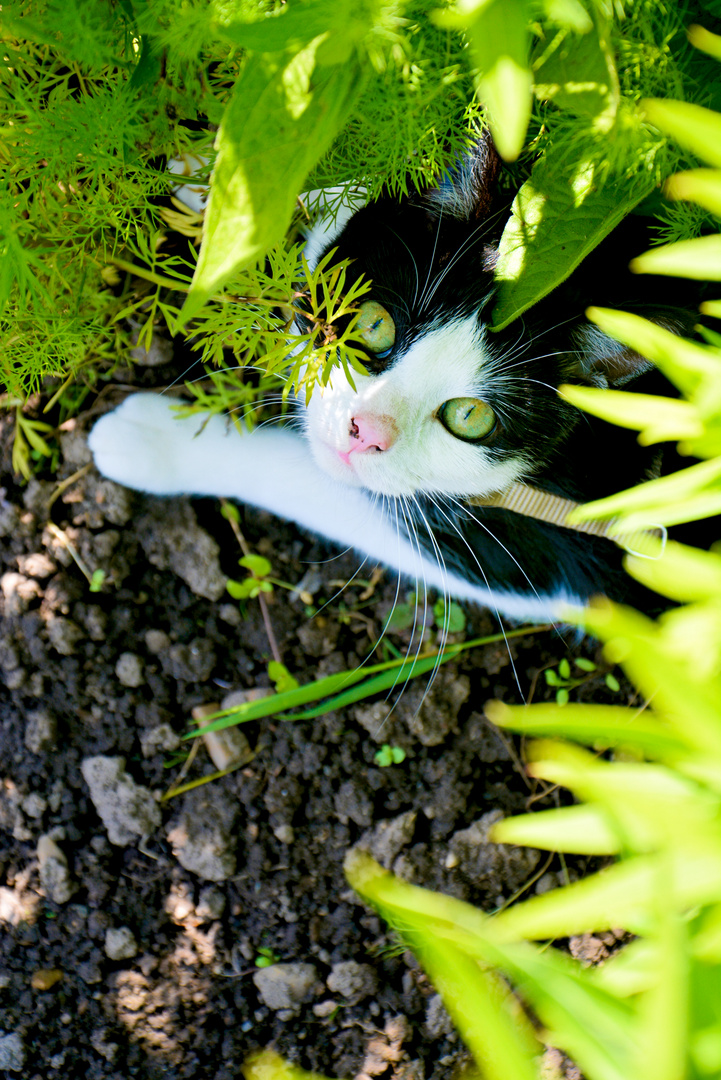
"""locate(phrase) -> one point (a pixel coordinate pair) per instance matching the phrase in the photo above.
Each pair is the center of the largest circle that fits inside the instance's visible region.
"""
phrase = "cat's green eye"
(376, 328)
(467, 418)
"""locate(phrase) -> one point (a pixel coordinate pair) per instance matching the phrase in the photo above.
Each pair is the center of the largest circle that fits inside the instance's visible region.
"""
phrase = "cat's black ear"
(602, 361)
(467, 190)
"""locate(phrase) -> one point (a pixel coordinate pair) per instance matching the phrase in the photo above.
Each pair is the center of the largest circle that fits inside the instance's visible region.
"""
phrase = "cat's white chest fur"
(145, 445)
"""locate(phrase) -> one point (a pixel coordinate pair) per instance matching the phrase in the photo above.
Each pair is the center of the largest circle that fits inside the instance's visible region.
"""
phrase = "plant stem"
(261, 599)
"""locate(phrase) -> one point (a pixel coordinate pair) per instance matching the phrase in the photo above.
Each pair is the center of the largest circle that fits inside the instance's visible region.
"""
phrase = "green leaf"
(703, 39)
(693, 127)
(481, 1006)
(684, 573)
(609, 725)
(257, 564)
(580, 75)
(702, 186)
(659, 419)
(239, 590)
(297, 24)
(584, 664)
(498, 40)
(281, 677)
(699, 259)
(449, 616)
(96, 580)
(556, 221)
(283, 113)
(579, 829)
(568, 13)
(579, 1017)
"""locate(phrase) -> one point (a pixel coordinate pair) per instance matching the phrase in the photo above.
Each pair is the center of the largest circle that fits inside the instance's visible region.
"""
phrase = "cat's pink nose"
(371, 434)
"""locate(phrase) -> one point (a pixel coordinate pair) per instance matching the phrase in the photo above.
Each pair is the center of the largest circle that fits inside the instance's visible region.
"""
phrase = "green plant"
(265, 957)
(564, 682)
(389, 755)
(654, 805)
(99, 257)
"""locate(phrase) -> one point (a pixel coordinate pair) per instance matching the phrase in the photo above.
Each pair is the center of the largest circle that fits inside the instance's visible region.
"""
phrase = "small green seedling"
(266, 957)
(281, 677)
(256, 583)
(389, 755)
(449, 616)
(97, 579)
(564, 682)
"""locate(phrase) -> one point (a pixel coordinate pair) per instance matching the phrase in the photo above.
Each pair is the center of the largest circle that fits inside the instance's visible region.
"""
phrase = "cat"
(446, 410)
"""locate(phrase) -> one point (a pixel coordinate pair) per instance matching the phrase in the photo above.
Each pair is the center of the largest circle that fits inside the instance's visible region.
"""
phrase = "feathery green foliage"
(97, 254)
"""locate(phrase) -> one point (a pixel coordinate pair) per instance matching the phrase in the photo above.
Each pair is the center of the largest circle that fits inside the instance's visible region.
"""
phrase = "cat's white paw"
(142, 443)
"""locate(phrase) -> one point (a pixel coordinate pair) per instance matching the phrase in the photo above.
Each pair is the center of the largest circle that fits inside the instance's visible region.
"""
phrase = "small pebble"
(120, 944)
(129, 669)
(12, 1052)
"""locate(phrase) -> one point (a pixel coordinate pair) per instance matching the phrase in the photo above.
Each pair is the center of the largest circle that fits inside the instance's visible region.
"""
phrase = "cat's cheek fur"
(145, 445)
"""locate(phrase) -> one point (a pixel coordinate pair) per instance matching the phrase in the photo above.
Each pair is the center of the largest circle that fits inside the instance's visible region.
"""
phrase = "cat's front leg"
(145, 445)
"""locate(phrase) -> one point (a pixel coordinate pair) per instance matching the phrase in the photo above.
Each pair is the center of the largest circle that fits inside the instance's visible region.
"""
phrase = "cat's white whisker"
(455, 528)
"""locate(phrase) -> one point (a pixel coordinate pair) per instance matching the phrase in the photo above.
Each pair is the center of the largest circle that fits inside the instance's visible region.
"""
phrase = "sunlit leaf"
(699, 259)
(580, 75)
(658, 419)
(702, 186)
(704, 40)
(695, 128)
(612, 725)
(582, 829)
(498, 38)
(683, 574)
(283, 113)
(556, 221)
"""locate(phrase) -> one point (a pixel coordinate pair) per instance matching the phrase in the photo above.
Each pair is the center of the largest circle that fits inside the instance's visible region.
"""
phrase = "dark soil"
(128, 955)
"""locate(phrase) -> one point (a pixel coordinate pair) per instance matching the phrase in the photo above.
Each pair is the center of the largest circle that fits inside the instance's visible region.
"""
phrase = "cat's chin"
(343, 468)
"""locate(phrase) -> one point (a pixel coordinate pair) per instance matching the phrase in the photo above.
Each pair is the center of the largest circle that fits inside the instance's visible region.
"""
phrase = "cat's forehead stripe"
(444, 362)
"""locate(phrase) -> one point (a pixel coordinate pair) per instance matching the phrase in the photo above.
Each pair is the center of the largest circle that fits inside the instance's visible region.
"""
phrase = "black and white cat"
(447, 410)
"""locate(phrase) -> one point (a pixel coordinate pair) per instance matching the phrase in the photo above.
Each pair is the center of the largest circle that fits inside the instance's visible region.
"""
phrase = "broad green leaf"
(580, 829)
(283, 113)
(580, 75)
(702, 186)
(497, 33)
(699, 259)
(695, 128)
(296, 24)
(610, 725)
(556, 221)
(570, 13)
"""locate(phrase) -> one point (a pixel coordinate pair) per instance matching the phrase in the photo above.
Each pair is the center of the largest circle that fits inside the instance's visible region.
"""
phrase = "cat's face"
(446, 406)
